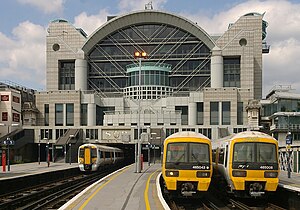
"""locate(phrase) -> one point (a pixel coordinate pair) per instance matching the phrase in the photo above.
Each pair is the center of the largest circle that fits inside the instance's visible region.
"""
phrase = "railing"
(285, 126)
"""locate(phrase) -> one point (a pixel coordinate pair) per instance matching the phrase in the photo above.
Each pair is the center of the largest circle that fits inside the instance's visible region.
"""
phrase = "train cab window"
(176, 152)
(267, 153)
(198, 153)
(188, 152)
(81, 153)
(94, 152)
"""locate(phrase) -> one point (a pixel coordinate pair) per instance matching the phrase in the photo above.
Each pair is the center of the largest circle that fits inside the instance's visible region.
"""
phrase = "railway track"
(50, 196)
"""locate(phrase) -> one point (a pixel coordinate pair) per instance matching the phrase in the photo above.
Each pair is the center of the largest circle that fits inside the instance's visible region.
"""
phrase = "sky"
(23, 30)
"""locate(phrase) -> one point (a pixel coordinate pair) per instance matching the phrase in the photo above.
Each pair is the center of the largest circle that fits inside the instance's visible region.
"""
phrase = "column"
(91, 109)
(80, 74)
(192, 113)
(216, 68)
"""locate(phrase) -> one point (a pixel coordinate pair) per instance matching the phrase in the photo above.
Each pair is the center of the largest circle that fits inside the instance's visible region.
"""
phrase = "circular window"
(55, 47)
(243, 42)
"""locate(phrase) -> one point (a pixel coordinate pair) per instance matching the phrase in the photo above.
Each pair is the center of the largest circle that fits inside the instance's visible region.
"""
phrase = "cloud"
(90, 23)
(22, 58)
(283, 34)
(48, 7)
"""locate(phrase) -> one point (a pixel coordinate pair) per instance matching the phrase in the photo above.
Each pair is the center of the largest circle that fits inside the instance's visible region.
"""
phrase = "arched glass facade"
(164, 44)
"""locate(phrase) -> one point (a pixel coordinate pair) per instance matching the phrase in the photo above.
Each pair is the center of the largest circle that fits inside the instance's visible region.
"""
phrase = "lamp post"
(149, 145)
(47, 151)
(139, 55)
(8, 161)
(70, 148)
(39, 155)
(70, 153)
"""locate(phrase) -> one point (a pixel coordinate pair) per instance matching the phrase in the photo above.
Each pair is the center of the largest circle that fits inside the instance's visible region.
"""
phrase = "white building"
(190, 80)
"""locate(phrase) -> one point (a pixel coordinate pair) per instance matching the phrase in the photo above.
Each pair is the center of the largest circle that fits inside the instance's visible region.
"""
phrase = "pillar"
(216, 68)
(80, 74)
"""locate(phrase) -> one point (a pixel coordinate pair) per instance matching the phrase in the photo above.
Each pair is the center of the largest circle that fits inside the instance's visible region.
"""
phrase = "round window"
(243, 42)
(55, 47)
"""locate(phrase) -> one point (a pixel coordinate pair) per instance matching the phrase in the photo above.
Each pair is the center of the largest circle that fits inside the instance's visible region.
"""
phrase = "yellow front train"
(93, 156)
(247, 164)
(187, 163)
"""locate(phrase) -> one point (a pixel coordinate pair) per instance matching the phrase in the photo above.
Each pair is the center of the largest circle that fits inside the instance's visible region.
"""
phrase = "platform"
(27, 169)
(292, 183)
(123, 189)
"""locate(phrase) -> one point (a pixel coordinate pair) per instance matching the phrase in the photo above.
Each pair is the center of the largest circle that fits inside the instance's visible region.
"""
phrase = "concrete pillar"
(80, 74)
(64, 114)
(91, 114)
(192, 113)
(216, 68)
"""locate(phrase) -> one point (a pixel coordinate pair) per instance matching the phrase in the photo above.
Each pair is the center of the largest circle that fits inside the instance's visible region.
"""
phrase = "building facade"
(97, 91)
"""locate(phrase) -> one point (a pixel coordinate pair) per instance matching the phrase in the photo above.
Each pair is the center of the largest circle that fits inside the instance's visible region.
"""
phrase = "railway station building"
(97, 90)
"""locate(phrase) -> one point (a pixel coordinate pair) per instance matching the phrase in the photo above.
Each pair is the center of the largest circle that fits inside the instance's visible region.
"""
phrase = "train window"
(198, 153)
(255, 152)
(94, 152)
(81, 153)
(266, 153)
(244, 152)
(176, 152)
(221, 156)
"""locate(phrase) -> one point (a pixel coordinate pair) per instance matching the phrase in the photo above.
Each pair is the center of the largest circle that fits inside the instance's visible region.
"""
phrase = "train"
(246, 164)
(91, 157)
(187, 164)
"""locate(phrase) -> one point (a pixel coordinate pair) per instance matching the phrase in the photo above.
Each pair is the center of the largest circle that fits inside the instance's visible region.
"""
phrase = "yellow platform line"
(146, 191)
(91, 197)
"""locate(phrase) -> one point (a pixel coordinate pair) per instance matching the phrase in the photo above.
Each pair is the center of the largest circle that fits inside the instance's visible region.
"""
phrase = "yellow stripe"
(146, 191)
(91, 197)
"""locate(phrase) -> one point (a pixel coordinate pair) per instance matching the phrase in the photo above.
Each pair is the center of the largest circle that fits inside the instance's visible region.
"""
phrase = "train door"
(87, 156)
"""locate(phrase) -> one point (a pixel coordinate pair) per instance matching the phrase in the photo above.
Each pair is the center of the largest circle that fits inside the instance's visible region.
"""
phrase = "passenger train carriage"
(92, 156)
(247, 164)
(187, 164)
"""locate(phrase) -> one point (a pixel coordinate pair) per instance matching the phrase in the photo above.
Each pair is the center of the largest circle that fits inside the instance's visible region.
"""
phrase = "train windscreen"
(187, 153)
(254, 152)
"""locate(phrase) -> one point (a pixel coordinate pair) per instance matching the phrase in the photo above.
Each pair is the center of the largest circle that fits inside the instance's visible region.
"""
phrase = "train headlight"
(172, 173)
(202, 174)
(271, 174)
(237, 173)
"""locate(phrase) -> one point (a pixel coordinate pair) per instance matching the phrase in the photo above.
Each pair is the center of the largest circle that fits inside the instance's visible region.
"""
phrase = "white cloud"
(23, 56)
(53, 6)
(90, 23)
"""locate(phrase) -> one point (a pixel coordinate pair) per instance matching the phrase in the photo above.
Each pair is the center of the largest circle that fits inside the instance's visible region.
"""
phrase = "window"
(46, 113)
(66, 73)
(232, 71)
(240, 113)
(59, 118)
(184, 114)
(226, 113)
(83, 116)
(70, 114)
(200, 113)
(214, 113)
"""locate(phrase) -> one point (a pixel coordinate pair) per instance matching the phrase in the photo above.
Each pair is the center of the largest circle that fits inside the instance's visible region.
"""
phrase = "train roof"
(187, 134)
(244, 134)
(100, 146)
(256, 134)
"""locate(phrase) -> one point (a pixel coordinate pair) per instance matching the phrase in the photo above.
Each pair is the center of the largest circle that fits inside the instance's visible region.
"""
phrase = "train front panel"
(187, 168)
